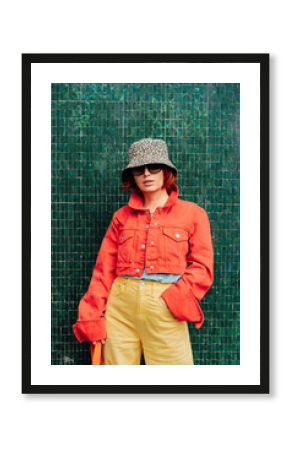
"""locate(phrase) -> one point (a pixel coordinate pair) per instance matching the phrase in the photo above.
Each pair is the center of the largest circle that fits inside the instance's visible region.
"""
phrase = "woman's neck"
(154, 199)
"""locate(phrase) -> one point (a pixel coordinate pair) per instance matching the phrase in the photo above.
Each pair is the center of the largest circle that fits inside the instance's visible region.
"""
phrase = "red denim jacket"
(177, 239)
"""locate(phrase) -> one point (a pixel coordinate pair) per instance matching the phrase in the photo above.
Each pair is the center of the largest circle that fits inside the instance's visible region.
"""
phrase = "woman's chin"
(149, 188)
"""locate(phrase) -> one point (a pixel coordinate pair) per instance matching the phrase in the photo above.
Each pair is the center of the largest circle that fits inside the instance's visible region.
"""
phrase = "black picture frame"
(262, 60)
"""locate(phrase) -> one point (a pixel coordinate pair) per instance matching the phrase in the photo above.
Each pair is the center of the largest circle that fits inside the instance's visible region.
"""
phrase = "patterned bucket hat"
(147, 151)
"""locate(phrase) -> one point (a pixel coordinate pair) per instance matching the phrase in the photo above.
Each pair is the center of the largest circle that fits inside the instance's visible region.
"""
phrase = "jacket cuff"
(90, 330)
(184, 306)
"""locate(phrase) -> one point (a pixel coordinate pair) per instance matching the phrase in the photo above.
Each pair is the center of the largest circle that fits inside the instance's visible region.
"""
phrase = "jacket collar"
(136, 200)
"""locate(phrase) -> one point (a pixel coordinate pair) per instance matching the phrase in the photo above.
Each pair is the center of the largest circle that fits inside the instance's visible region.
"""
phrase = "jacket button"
(151, 267)
(137, 270)
(146, 226)
(152, 242)
(142, 245)
(155, 223)
(177, 235)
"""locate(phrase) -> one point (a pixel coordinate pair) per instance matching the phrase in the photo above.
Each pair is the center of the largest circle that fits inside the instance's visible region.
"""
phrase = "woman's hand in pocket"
(163, 302)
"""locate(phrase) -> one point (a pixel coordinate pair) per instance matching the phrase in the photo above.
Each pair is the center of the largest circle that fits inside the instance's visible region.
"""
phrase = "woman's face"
(149, 182)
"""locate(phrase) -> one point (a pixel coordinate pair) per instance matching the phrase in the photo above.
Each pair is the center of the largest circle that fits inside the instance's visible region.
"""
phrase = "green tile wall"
(92, 127)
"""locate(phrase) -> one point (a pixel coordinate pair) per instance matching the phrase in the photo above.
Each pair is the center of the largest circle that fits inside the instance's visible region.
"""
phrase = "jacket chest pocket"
(175, 242)
(126, 246)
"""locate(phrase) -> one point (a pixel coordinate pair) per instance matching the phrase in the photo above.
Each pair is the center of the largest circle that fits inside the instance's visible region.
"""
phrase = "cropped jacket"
(176, 239)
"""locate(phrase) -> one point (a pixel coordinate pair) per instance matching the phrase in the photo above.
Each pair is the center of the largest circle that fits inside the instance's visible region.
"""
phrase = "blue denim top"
(162, 277)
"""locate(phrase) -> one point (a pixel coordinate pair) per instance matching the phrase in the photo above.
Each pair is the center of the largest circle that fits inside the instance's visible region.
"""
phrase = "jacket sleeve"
(183, 297)
(90, 324)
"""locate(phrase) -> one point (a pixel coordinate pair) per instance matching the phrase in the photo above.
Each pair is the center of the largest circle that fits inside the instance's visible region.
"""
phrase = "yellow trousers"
(138, 320)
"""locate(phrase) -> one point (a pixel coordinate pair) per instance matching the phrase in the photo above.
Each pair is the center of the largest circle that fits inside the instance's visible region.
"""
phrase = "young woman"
(154, 266)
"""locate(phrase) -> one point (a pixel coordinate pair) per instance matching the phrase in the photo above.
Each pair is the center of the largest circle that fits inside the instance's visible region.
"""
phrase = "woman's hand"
(102, 341)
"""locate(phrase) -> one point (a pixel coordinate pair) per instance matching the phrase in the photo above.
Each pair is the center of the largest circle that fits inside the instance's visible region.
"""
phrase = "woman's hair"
(129, 182)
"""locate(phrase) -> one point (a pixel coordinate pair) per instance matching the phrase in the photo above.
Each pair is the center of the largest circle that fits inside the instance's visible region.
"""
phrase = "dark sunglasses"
(153, 168)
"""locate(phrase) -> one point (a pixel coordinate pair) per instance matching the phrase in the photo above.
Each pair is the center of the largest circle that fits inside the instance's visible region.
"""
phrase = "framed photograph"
(145, 223)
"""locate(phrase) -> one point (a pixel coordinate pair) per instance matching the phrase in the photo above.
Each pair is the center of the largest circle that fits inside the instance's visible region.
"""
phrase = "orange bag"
(96, 353)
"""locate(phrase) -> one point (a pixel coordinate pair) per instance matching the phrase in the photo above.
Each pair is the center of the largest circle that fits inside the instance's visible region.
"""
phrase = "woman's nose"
(146, 171)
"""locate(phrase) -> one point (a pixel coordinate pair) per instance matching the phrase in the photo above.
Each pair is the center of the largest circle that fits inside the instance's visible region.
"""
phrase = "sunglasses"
(153, 168)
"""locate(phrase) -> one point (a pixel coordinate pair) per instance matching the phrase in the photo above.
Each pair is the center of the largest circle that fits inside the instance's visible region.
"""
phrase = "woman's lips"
(148, 182)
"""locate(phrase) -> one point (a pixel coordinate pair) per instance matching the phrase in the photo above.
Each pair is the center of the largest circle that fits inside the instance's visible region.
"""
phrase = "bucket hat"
(147, 151)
